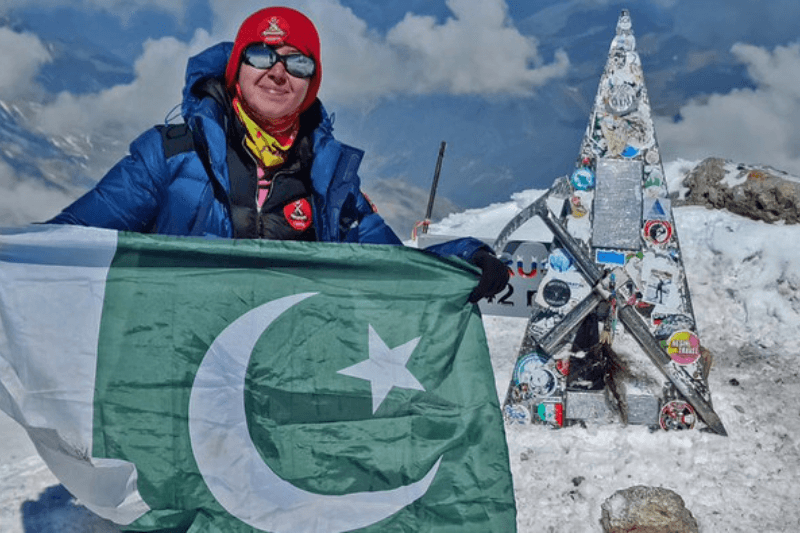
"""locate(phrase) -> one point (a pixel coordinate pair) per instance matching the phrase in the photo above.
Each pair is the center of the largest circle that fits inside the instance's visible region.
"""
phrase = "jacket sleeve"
(463, 248)
(372, 229)
(127, 197)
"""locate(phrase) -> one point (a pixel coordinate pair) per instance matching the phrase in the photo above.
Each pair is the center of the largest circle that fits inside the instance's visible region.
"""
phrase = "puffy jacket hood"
(208, 64)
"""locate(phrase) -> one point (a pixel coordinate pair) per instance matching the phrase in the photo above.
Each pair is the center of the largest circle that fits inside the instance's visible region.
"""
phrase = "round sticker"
(525, 363)
(532, 378)
(683, 347)
(541, 382)
(556, 293)
(677, 415)
(582, 179)
(622, 100)
(654, 178)
(657, 231)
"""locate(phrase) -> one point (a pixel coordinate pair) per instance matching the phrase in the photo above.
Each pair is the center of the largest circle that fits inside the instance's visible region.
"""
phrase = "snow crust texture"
(744, 278)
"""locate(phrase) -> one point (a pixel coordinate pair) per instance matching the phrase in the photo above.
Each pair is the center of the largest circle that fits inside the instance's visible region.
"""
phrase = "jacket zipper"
(260, 224)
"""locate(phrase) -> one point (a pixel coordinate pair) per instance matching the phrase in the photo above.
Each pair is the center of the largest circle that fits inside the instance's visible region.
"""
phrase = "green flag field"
(177, 384)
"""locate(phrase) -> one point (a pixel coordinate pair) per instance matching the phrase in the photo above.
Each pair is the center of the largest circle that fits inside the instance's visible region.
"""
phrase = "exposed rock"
(646, 510)
(760, 193)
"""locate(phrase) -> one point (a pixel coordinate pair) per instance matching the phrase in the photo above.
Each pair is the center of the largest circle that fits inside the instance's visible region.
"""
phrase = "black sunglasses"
(263, 57)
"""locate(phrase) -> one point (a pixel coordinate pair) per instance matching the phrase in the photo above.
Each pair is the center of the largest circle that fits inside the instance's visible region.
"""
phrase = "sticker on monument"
(656, 209)
(661, 283)
(556, 293)
(657, 232)
(684, 347)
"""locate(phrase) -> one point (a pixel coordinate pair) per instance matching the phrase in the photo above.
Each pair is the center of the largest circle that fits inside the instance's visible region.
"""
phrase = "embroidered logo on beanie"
(276, 32)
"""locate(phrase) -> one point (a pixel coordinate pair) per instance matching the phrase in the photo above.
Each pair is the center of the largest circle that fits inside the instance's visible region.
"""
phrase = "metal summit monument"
(612, 334)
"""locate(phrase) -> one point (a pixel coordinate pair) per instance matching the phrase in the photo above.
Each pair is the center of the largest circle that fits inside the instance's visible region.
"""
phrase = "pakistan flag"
(198, 385)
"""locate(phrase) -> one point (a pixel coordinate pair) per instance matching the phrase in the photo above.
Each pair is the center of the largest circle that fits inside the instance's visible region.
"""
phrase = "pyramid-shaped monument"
(612, 335)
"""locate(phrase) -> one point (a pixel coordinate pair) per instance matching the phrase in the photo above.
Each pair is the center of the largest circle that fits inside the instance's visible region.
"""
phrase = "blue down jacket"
(187, 192)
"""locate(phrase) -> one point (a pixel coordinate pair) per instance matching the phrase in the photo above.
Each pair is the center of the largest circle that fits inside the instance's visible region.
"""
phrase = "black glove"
(494, 275)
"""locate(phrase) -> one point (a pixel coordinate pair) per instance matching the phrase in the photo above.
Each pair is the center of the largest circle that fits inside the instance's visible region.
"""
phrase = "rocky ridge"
(757, 192)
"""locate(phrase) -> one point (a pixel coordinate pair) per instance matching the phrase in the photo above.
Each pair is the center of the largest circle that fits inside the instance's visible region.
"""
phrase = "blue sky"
(508, 85)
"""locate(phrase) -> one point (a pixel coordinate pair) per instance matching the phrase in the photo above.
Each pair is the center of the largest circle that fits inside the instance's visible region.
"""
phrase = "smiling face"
(272, 95)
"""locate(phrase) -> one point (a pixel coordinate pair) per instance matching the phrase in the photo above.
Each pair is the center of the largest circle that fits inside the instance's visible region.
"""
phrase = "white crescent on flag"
(231, 465)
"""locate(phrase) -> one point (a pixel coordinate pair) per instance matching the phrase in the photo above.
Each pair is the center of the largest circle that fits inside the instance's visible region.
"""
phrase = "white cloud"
(25, 201)
(123, 111)
(475, 51)
(22, 55)
(121, 8)
(756, 126)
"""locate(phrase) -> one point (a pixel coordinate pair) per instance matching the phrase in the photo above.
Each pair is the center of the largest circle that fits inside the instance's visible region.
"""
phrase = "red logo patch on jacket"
(298, 214)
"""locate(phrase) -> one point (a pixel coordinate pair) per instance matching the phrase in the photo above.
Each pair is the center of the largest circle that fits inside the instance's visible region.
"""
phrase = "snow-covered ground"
(744, 277)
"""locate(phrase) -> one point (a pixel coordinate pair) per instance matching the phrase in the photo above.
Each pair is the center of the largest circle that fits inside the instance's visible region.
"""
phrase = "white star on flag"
(385, 368)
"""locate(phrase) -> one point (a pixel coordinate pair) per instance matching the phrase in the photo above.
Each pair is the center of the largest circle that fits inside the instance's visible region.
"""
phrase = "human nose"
(278, 72)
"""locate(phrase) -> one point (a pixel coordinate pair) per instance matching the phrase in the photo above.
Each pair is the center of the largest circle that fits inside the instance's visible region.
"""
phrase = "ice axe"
(600, 281)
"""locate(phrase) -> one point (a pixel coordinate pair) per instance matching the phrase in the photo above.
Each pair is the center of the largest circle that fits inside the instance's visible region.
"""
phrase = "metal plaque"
(587, 405)
(618, 205)
(643, 409)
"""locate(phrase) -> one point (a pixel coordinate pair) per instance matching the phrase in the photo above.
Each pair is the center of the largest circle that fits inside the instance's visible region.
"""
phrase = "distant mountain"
(44, 165)
(80, 67)
(402, 204)
(33, 155)
(41, 173)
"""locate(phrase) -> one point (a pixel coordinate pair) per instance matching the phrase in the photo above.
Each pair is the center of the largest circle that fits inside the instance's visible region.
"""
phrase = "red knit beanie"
(277, 26)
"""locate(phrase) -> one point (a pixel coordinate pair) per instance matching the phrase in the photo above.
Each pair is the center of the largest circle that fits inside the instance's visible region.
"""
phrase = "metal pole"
(434, 185)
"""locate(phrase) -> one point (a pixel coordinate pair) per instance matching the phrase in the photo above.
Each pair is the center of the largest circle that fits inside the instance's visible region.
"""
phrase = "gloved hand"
(494, 275)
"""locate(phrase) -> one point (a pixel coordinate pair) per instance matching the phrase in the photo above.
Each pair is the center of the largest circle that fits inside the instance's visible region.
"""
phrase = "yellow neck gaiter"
(263, 145)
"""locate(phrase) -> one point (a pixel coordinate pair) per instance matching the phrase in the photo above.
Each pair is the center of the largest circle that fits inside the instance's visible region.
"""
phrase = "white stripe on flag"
(52, 285)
